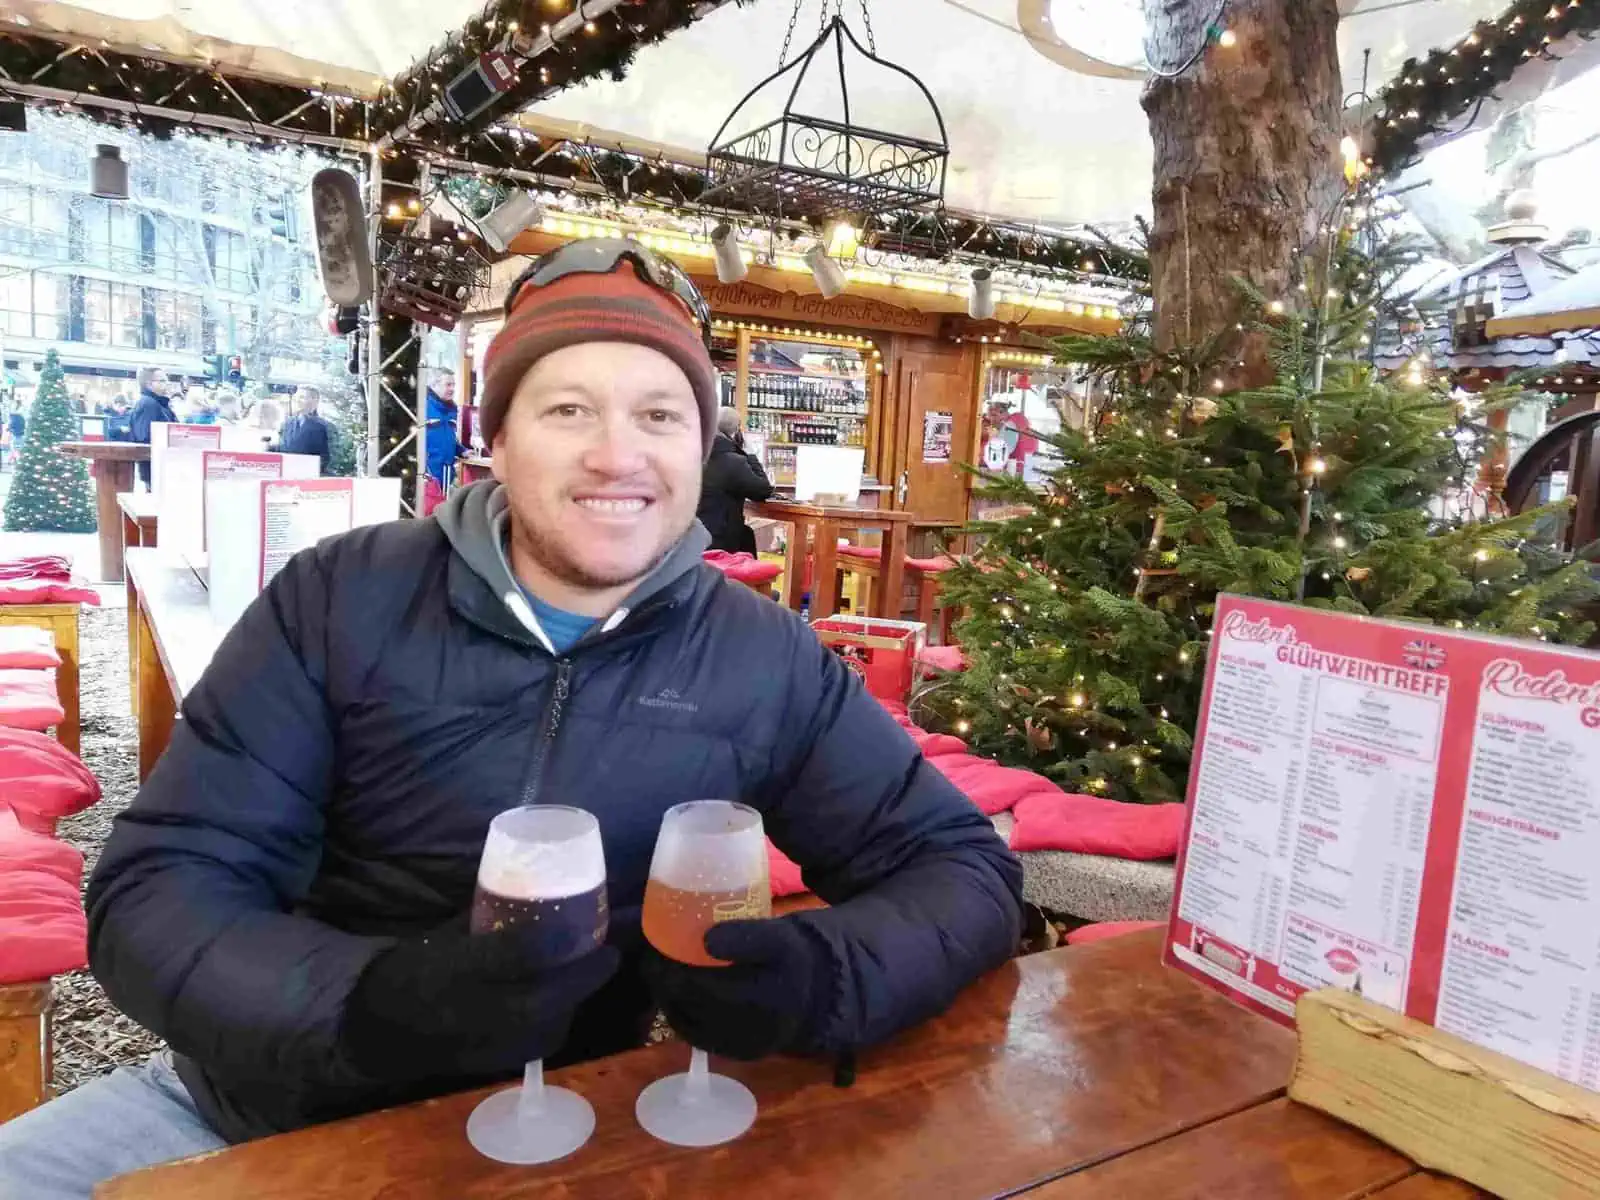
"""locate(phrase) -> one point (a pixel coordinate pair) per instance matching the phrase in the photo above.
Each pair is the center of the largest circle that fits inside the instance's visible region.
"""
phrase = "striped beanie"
(582, 307)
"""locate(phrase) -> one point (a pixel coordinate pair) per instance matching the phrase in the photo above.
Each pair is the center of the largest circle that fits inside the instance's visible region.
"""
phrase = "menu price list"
(1409, 813)
(1309, 815)
(1522, 962)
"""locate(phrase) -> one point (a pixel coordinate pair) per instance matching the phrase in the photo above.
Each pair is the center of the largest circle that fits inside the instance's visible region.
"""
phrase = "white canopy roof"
(1031, 139)
(1573, 304)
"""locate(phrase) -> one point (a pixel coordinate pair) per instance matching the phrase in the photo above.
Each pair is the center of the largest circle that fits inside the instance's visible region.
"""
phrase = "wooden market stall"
(900, 372)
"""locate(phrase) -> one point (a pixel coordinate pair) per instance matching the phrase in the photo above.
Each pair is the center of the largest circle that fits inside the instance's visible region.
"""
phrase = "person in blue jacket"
(307, 432)
(444, 439)
(285, 902)
(153, 407)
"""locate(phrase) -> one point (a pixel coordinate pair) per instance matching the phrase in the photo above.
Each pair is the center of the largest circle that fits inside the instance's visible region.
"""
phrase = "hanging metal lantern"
(806, 166)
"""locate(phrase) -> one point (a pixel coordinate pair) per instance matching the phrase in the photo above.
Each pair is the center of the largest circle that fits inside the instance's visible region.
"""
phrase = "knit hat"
(616, 306)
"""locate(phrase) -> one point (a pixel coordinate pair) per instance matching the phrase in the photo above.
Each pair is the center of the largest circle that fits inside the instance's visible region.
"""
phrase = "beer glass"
(543, 866)
(710, 865)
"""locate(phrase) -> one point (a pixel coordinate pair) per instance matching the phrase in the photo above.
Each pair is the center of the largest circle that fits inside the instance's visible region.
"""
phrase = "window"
(16, 304)
(95, 219)
(51, 305)
(127, 315)
(177, 317)
(96, 312)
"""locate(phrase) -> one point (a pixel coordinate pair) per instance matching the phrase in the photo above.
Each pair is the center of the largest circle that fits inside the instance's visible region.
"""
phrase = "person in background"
(731, 477)
(444, 439)
(202, 409)
(227, 408)
(306, 432)
(153, 407)
(118, 413)
(7, 443)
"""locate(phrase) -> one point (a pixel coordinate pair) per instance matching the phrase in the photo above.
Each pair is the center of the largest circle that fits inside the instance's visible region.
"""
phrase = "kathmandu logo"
(667, 698)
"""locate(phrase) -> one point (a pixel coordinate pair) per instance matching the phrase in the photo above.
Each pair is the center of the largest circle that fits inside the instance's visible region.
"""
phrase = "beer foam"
(522, 870)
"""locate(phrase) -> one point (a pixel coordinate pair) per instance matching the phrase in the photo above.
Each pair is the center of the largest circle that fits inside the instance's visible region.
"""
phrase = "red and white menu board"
(1402, 810)
(234, 464)
(296, 514)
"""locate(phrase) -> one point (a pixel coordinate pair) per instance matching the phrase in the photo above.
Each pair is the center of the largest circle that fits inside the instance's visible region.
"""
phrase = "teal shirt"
(564, 629)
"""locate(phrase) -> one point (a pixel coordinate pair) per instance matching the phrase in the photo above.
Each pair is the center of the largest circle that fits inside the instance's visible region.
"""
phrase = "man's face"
(445, 388)
(159, 384)
(304, 401)
(600, 454)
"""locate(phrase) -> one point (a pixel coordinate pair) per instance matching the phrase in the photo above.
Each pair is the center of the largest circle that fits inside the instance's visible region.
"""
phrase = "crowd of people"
(291, 423)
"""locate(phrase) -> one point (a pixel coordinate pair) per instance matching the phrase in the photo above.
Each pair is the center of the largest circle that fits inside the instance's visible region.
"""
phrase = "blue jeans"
(135, 1117)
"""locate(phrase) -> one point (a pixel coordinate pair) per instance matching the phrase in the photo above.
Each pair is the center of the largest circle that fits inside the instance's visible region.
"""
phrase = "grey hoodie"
(477, 522)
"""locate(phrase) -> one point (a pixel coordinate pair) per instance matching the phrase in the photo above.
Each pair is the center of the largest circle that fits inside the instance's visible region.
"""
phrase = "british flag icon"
(1423, 655)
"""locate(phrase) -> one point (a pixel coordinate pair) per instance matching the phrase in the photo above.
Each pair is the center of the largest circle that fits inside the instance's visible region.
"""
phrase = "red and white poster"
(230, 464)
(299, 513)
(1401, 810)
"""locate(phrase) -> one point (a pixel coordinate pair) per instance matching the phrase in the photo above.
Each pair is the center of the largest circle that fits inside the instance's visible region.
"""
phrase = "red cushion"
(865, 553)
(30, 850)
(39, 566)
(45, 591)
(27, 646)
(28, 700)
(931, 566)
(41, 780)
(42, 927)
(1109, 929)
(784, 873)
(743, 568)
(1095, 825)
(993, 788)
(943, 658)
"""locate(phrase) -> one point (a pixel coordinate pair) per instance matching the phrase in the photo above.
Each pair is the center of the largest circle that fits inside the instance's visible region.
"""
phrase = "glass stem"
(699, 1085)
(532, 1099)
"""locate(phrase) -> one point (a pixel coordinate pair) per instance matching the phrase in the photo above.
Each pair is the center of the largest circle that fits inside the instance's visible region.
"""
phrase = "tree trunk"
(1247, 162)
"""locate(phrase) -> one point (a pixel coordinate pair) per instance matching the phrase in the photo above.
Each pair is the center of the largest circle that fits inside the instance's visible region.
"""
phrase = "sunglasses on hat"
(601, 256)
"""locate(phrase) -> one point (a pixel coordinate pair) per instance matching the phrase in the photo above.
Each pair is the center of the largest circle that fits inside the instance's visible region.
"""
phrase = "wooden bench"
(24, 1047)
(62, 622)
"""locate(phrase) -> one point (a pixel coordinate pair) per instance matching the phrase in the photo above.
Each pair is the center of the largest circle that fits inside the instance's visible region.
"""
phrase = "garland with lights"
(276, 112)
(1428, 94)
(603, 45)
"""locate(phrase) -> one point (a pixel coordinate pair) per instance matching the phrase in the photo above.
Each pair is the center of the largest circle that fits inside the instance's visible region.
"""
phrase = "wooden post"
(741, 378)
(1247, 163)
(24, 1047)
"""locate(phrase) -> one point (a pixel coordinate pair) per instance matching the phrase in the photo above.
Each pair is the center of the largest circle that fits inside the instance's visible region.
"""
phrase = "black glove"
(775, 997)
(449, 1003)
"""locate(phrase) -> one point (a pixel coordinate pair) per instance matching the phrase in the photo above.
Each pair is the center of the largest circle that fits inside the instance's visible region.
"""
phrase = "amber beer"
(676, 919)
(569, 926)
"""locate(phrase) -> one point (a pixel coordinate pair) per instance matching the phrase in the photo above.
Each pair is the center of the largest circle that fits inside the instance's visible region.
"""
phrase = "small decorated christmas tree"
(50, 492)
(1088, 615)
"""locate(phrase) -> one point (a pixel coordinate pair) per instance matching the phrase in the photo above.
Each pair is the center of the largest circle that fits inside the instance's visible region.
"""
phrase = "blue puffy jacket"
(330, 786)
(444, 447)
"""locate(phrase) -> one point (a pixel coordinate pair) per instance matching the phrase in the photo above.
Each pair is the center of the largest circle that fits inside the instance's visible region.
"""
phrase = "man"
(444, 440)
(285, 901)
(731, 478)
(152, 407)
(306, 432)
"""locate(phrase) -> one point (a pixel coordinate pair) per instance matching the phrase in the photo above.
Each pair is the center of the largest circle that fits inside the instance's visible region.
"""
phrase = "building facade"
(212, 254)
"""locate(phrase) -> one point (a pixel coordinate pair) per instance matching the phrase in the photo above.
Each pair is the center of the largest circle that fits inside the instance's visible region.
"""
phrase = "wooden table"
(113, 475)
(175, 639)
(1047, 1065)
(140, 527)
(817, 527)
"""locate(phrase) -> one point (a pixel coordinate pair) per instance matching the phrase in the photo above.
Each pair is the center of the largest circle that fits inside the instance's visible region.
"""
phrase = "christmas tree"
(1088, 615)
(49, 491)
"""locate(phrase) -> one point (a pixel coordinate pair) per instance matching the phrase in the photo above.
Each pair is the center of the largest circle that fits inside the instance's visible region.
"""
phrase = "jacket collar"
(476, 521)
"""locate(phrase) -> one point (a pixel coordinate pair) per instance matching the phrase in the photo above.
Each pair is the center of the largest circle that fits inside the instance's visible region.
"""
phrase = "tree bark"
(1247, 161)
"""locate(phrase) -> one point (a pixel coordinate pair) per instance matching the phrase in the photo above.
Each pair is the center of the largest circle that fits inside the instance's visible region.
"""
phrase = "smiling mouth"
(613, 506)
